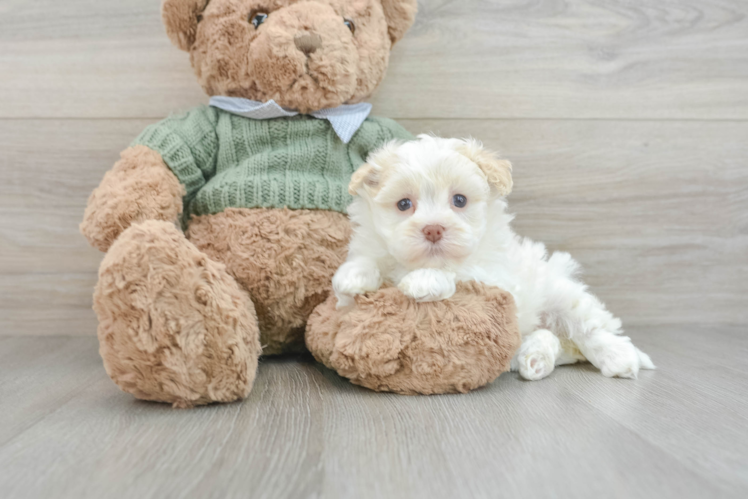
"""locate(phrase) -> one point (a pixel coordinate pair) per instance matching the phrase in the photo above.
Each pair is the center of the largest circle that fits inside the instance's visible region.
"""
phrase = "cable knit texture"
(228, 161)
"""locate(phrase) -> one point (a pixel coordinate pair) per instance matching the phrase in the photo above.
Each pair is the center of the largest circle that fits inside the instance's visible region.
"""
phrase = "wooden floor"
(67, 431)
(627, 123)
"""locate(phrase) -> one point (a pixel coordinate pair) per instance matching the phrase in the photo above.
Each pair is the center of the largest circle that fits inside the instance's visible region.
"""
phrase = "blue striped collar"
(345, 120)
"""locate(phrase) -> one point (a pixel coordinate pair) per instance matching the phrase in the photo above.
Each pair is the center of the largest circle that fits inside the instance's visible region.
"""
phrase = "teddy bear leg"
(284, 258)
(174, 326)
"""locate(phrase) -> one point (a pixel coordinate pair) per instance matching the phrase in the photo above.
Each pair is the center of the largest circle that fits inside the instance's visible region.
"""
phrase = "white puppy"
(432, 212)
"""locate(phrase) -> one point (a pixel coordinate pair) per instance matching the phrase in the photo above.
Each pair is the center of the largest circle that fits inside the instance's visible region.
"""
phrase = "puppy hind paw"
(613, 369)
(645, 361)
(622, 362)
(537, 356)
(535, 365)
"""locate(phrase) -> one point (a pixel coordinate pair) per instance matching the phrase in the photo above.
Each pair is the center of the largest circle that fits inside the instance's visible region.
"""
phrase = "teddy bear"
(224, 225)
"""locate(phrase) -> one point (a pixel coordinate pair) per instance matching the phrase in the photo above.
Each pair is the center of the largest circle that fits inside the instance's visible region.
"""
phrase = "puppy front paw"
(354, 279)
(428, 285)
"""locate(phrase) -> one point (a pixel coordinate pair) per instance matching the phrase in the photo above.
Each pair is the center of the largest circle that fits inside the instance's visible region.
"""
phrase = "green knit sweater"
(225, 160)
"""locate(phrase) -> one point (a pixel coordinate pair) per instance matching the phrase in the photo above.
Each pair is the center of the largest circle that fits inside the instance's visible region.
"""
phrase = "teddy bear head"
(304, 54)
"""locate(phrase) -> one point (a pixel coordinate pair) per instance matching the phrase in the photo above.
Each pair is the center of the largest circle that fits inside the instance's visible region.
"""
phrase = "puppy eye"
(459, 200)
(257, 18)
(350, 25)
(404, 205)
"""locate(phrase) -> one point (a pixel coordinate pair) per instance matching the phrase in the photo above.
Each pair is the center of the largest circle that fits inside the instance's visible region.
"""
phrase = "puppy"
(431, 212)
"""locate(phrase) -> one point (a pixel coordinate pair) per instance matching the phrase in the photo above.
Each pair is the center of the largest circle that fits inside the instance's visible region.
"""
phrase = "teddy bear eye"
(350, 25)
(404, 205)
(258, 18)
(459, 200)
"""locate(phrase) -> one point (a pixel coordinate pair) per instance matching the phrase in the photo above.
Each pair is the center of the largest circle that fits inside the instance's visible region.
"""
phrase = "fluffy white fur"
(560, 321)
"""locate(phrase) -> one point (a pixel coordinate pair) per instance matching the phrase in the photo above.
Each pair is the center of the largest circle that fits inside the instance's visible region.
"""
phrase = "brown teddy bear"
(223, 226)
(389, 342)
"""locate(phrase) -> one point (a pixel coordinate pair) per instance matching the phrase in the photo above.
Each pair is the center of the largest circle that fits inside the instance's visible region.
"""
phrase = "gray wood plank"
(700, 396)
(306, 432)
(626, 125)
(47, 304)
(39, 376)
(654, 211)
(472, 58)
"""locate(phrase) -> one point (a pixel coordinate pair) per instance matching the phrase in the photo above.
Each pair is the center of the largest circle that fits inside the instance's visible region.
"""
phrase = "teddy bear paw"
(173, 325)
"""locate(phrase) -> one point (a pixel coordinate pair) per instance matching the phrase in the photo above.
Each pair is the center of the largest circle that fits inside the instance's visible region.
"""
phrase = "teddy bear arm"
(390, 342)
(139, 187)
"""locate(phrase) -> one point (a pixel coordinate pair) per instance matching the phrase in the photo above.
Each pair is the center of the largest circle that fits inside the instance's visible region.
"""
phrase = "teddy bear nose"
(433, 233)
(308, 43)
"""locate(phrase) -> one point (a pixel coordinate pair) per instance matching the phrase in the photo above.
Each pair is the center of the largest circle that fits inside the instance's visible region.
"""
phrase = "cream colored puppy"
(431, 212)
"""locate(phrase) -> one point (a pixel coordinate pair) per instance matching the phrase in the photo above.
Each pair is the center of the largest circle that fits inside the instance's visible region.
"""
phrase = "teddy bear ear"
(400, 16)
(180, 19)
(498, 171)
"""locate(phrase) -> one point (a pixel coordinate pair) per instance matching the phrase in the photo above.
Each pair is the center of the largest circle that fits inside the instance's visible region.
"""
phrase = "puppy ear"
(180, 18)
(371, 175)
(367, 175)
(498, 171)
(400, 15)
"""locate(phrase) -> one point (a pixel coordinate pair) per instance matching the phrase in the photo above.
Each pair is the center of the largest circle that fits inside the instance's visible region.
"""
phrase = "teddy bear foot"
(388, 342)
(174, 326)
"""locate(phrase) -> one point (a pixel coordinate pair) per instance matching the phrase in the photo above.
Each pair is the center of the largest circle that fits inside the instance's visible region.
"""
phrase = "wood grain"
(655, 211)
(305, 432)
(673, 59)
(626, 122)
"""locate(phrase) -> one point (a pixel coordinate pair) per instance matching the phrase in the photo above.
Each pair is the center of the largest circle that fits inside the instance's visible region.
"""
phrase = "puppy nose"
(308, 43)
(433, 233)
